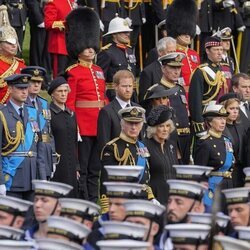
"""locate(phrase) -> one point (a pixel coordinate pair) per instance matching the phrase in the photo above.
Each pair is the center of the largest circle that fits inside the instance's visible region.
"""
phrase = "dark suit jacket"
(151, 75)
(244, 120)
(108, 124)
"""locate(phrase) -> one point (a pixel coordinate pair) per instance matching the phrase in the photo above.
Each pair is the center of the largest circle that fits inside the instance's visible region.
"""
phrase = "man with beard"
(184, 197)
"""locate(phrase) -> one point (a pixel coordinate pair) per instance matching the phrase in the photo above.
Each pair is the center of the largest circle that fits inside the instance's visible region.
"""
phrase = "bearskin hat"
(181, 18)
(82, 31)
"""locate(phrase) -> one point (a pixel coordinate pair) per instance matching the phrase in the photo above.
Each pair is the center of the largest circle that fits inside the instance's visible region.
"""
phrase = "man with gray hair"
(152, 74)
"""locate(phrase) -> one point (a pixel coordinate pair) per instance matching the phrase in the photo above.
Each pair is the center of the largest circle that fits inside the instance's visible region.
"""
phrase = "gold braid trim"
(12, 141)
(218, 82)
(132, 8)
(125, 158)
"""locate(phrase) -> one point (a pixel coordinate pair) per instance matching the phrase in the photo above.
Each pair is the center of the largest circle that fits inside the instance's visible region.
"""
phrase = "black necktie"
(34, 104)
(21, 113)
(128, 105)
(246, 104)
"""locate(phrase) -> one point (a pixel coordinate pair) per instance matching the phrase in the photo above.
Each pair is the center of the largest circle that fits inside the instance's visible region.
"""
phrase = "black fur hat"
(181, 18)
(82, 31)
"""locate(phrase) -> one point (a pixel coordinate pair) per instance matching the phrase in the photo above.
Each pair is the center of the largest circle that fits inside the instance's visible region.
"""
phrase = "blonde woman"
(162, 150)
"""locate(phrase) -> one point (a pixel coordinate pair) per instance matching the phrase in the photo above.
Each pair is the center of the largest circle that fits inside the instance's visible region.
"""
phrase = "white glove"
(129, 21)
(101, 25)
(241, 29)
(198, 30)
(228, 3)
(41, 25)
(156, 202)
(75, 5)
(201, 134)
(2, 190)
(144, 20)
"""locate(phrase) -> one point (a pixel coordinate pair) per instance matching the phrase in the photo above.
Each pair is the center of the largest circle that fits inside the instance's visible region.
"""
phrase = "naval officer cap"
(173, 59)
(123, 245)
(183, 233)
(214, 110)
(124, 173)
(18, 80)
(10, 233)
(229, 243)
(14, 205)
(192, 172)
(72, 230)
(51, 188)
(82, 208)
(16, 245)
(189, 189)
(237, 195)
(243, 233)
(144, 208)
(224, 34)
(56, 244)
(125, 190)
(123, 230)
(132, 114)
(206, 218)
(37, 73)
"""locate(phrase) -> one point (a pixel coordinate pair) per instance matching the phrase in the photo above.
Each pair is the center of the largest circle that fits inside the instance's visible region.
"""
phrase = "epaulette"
(112, 141)
(202, 65)
(204, 137)
(106, 46)
(20, 59)
(71, 67)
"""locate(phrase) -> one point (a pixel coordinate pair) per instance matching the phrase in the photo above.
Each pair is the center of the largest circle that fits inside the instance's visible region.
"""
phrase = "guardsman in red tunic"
(9, 64)
(55, 12)
(183, 30)
(87, 96)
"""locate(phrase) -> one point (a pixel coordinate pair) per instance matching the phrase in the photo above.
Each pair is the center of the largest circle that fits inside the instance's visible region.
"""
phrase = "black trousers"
(90, 165)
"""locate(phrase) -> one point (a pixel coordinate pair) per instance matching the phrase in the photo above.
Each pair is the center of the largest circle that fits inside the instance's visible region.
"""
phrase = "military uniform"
(115, 57)
(20, 160)
(17, 15)
(55, 12)
(124, 151)
(44, 119)
(178, 102)
(8, 66)
(206, 83)
(87, 97)
(191, 62)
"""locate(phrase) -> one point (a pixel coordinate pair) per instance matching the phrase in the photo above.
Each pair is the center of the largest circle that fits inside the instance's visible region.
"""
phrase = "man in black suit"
(108, 126)
(152, 74)
(241, 85)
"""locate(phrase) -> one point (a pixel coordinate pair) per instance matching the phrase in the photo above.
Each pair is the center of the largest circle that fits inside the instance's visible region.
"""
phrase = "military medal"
(99, 75)
(46, 114)
(34, 126)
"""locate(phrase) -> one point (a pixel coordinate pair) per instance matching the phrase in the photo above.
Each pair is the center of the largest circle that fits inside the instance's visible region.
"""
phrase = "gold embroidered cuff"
(58, 25)
(198, 127)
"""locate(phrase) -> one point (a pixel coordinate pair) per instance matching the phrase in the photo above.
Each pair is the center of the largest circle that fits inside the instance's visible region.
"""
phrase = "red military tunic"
(8, 66)
(190, 63)
(55, 12)
(87, 95)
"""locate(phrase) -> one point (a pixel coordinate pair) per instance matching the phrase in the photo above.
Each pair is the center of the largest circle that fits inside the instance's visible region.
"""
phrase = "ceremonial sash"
(214, 181)
(141, 161)
(42, 120)
(11, 163)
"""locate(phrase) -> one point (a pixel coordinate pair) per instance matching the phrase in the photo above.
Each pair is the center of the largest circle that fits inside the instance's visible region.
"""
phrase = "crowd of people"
(146, 141)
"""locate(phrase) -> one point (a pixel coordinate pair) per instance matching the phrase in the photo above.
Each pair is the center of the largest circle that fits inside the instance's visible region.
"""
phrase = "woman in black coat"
(163, 153)
(64, 130)
(236, 132)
